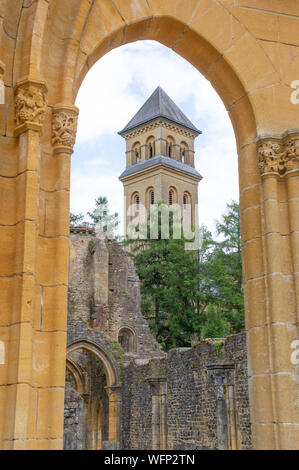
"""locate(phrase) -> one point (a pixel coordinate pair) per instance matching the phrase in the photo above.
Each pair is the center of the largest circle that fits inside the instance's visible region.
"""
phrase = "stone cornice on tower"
(158, 162)
(159, 122)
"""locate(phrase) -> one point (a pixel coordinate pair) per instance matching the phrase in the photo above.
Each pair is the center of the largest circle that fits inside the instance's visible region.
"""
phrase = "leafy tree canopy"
(188, 295)
(100, 216)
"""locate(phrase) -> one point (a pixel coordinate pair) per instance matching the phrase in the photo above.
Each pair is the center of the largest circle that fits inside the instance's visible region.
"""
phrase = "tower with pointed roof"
(160, 156)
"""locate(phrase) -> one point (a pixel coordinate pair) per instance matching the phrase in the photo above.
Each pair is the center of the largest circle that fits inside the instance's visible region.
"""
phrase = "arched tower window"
(152, 197)
(135, 200)
(172, 196)
(186, 199)
(170, 144)
(136, 153)
(184, 150)
(151, 151)
(151, 146)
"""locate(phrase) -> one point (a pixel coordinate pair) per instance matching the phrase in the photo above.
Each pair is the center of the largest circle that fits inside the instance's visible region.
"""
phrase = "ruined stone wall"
(191, 397)
(73, 416)
(104, 292)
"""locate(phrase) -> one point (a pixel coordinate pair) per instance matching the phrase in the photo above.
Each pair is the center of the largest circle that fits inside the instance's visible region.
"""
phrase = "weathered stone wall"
(73, 416)
(103, 298)
(104, 292)
(191, 397)
(248, 50)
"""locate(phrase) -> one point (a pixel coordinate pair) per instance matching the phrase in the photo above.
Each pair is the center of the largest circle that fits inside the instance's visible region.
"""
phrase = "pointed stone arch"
(60, 40)
(101, 353)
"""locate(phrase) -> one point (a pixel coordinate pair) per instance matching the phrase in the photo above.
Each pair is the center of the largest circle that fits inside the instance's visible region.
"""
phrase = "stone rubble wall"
(191, 413)
(104, 291)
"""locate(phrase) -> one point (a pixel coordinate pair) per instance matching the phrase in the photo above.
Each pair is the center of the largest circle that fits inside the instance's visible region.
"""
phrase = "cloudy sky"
(113, 91)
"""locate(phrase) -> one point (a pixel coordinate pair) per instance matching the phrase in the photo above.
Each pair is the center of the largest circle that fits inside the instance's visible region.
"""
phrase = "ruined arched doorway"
(59, 41)
(92, 398)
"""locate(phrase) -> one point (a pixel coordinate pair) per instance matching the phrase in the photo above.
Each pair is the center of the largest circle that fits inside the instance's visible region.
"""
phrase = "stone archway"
(112, 388)
(251, 64)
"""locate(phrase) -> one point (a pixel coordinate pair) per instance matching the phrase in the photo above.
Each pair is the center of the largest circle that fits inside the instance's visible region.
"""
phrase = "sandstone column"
(114, 395)
(273, 379)
(20, 391)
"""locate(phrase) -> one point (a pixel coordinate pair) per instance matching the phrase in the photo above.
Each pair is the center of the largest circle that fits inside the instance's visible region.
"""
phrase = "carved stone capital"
(279, 155)
(64, 128)
(30, 104)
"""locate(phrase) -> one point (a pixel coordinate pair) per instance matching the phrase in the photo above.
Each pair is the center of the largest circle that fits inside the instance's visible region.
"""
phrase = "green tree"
(101, 217)
(226, 267)
(76, 219)
(189, 294)
(170, 275)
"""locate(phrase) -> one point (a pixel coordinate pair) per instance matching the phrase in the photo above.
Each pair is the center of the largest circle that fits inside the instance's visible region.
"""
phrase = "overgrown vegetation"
(192, 294)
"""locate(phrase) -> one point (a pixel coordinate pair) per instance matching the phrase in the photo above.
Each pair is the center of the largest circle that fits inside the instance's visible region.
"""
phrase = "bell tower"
(160, 156)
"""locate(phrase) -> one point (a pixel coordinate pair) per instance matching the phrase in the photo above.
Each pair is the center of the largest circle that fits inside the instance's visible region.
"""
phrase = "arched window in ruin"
(127, 339)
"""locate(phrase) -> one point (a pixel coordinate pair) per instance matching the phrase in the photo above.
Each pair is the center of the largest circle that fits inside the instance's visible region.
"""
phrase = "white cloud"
(111, 94)
(120, 82)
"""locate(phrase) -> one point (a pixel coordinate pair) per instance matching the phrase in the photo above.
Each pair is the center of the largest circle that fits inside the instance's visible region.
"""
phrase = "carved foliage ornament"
(64, 129)
(30, 104)
(279, 155)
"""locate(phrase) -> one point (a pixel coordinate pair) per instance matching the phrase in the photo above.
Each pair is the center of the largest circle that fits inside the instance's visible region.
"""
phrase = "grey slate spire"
(159, 105)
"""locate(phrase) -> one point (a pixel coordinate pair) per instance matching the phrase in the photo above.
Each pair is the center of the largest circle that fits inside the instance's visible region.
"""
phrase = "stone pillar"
(101, 285)
(231, 415)
(273, 382)
(114, 395)
(158, 146)
(28, 358)
(143, 152)
(218, 376)
(159, 412)
(227, 432)
(176, 152)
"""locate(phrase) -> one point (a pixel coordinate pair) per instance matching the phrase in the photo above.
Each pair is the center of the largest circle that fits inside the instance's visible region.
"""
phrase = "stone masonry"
(190, 398)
